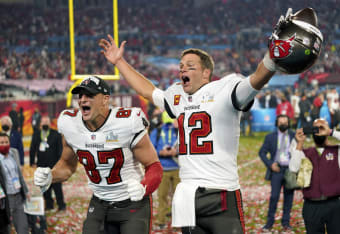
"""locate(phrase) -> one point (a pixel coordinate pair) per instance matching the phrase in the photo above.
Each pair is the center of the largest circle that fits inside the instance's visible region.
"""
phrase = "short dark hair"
(2, 134)
(207, 61)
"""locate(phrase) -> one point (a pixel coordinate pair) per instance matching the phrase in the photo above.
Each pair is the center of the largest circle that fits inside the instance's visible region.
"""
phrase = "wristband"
(269, 63)
(153, 177)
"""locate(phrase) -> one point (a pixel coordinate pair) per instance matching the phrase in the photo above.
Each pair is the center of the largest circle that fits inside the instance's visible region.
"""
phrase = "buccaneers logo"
(281, 48)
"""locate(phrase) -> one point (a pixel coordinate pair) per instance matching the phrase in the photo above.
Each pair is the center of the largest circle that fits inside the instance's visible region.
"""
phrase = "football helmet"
(296, 42)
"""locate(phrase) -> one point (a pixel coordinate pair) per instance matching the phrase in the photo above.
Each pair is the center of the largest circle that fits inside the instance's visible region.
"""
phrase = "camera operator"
(321, 209)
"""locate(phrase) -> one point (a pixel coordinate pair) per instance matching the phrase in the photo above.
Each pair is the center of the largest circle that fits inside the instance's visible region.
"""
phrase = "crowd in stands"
(302, 106)
(34, 43)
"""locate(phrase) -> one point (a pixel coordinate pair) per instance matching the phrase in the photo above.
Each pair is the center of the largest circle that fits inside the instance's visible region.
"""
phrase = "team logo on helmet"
(281, 48)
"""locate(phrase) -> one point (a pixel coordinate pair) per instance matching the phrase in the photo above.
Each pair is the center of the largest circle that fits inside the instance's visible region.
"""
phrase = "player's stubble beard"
(99, 119)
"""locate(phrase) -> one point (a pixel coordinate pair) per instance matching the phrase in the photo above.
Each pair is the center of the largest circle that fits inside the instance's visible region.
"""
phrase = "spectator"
(13, 114)
(21, 118)
(15, 137)
(46, 145)
(305, 108)
(324, 112)
(36, 118)
(333, 105)
(284, 108)
(246, 118)
(316, 106)
(321, 208)
(164, 139)
(277, 145)
(15, 185)
(295, 100)
(5, 215)
(268, 100)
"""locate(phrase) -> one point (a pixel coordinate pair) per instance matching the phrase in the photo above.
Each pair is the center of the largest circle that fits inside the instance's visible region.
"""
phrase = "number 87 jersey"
(106, 152)
(209, 129)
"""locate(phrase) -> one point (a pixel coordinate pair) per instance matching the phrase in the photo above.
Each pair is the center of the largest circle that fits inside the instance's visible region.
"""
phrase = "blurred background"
(35, 66)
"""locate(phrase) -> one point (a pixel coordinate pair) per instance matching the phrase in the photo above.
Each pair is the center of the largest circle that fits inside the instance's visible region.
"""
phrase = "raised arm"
(265, 70)
(136, 80)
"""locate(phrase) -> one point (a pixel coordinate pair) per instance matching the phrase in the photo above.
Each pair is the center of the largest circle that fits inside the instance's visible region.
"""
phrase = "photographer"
(321, 209)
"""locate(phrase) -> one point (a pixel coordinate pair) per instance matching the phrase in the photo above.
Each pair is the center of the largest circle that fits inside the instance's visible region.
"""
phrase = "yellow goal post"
(79, 77)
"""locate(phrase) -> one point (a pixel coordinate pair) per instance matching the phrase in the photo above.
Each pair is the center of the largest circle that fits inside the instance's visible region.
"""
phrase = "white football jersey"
(209, 130)
(106, 153)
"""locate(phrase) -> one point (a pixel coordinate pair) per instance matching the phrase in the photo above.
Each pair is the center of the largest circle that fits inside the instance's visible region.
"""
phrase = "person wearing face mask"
(321, 208)
(46, 146)
(15, 136)
(15, 187)
(277, 144)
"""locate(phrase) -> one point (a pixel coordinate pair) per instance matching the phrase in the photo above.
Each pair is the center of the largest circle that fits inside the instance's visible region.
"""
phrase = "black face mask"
(45, 127)
(283, 127)
(319, 140)
(5, 127)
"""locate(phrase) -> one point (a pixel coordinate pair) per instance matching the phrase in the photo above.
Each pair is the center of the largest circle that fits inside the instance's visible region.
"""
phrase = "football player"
(111, 144)
(208, 199)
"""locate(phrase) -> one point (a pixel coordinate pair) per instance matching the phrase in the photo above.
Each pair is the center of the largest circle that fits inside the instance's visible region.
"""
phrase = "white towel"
(183, 205)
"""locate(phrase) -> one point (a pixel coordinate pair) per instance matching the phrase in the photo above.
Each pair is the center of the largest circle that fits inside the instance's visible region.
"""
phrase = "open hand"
(110, 50)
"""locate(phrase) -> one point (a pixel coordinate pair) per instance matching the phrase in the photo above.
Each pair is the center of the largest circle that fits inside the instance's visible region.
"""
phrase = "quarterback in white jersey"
(208, 141)
(112, 145)
(208, 115)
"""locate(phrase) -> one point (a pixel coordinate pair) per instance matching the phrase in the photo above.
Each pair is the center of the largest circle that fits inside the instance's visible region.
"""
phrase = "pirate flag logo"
(281, 48)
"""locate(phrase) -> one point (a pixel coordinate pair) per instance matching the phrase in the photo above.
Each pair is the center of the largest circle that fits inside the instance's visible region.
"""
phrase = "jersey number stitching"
(123, 113)
(72, 112)
(86, 158)
(200, 132)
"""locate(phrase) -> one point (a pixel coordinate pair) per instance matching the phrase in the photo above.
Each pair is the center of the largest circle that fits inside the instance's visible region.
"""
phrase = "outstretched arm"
(263, 73)
(136, 80)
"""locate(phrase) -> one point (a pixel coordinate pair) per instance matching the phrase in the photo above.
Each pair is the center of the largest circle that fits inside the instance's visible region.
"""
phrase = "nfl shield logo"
(93, 137)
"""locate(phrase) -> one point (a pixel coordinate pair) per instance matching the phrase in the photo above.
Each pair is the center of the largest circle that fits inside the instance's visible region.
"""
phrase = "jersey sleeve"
(64, 120)
(139, 126)
(172, 98)
(61, 122)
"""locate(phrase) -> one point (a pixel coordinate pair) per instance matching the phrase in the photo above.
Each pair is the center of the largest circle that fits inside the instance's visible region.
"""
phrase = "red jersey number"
(71, 112)
(87, 159)
(203, 121)
(123, 113)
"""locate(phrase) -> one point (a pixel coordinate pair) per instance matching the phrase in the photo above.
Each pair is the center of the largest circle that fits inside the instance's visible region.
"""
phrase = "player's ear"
(206, 74)
(106, 99)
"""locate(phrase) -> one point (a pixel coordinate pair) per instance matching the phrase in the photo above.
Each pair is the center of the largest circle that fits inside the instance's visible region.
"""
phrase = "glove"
(135, 189)
(43, 178)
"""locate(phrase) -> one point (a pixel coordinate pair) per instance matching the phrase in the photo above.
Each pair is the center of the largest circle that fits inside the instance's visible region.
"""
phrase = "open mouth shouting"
(185, 79)
(86, 110)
